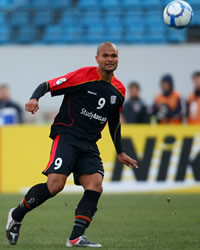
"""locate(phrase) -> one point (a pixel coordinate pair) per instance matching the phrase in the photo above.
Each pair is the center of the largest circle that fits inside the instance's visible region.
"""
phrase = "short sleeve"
(59, 85)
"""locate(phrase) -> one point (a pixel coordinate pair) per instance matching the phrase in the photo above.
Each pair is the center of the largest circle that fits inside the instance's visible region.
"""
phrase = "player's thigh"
(62, 158)
(89, 165)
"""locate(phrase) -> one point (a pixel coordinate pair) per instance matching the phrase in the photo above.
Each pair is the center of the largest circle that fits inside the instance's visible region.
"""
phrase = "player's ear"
(96, 57)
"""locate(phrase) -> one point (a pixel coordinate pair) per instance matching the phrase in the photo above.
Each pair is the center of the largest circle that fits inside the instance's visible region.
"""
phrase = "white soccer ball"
(178, 14)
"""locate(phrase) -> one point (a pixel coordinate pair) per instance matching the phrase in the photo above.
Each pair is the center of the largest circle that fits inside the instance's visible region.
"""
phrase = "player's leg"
(57, 170)
(37, 195)
(86, 209)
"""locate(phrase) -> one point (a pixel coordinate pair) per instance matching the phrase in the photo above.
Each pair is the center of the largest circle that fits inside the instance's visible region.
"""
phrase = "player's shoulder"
(119, 86)
(85, 74)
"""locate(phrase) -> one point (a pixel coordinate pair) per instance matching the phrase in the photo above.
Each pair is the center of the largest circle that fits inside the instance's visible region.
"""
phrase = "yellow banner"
(168, 158)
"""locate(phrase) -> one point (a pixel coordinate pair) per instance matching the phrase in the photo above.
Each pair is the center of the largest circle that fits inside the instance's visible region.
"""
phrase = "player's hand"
(32, 106)
(125, 159)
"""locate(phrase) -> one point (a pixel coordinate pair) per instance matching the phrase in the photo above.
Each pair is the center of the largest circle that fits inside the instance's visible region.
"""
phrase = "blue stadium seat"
(43, 17)
(114, 33)
(70, 18)
(95, 34)
(53, 34)
(3, 18)
(112, 20)
(60, 3)
(133, 18)
(155, 38)
(196, 18)
(26, 34)
(72, 34)
(19, 18)
(156, 33)
(86, 4)
(110, 4)
(131, 3)
(134, 33)
(194, 3)
(4, 4)
(39, 4)
(5, 33)
(150, 4)
(176, 36)
(91, 17)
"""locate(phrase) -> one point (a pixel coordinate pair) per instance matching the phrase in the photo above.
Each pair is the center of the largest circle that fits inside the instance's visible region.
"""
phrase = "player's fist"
(125, 159)
(32, 106)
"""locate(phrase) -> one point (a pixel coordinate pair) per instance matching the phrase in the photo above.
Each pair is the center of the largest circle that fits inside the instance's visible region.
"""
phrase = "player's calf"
(84, 213)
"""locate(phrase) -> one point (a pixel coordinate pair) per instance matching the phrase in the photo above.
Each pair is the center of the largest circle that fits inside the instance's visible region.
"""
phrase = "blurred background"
(43, 39)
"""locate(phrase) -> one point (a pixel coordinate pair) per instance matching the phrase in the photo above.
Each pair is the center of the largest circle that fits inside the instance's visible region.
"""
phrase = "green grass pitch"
(125, 221)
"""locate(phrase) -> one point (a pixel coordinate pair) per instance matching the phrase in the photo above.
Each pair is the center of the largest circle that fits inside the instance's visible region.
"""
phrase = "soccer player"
(92, 97)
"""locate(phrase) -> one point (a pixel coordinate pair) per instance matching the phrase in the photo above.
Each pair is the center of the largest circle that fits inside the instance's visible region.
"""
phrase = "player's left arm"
(115, 132)
(32, 105)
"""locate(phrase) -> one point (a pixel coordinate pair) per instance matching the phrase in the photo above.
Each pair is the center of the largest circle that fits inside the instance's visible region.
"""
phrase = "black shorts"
(72, 155)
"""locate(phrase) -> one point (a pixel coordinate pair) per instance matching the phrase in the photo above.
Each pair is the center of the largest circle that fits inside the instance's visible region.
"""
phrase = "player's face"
(107, 59)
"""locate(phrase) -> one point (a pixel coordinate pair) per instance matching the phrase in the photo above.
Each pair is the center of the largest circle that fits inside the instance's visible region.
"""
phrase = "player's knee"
(100, 188)
(55, 185)
(55, 188)
(96, 187)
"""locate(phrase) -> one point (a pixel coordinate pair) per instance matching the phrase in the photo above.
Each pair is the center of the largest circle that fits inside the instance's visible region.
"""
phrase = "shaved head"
(106, 45)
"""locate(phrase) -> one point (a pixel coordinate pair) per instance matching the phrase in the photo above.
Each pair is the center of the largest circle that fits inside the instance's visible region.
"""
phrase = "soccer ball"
(178, 14)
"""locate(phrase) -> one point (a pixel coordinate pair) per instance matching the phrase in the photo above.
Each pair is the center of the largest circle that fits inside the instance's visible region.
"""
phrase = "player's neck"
(105, 76)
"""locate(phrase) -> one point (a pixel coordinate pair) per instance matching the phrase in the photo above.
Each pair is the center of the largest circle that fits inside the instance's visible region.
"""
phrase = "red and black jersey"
(88, 103)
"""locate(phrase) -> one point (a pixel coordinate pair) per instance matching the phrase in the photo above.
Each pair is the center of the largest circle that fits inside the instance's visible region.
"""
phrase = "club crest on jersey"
(60, 81)
(113, 99)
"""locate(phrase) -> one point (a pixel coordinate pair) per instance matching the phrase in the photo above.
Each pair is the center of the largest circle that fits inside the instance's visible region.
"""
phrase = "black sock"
(85, 212)
(34, 198)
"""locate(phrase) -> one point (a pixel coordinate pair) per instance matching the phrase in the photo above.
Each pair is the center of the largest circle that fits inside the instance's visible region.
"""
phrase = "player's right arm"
(32, 105)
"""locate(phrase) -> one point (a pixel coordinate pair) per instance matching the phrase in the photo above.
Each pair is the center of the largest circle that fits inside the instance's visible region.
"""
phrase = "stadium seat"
(72, 34)
(70, 17)
(53, 34)
(152, 4)
(3, 18)
(91, 17)
(26, 34)
(19, 18)
(5, 33)
(39, 4)
(131, 3)
(110, 4)
(133, 18)
(114, 33)
(196, 18)
(176, 36)
(112, 20)
(86, 4)
(60, 4)
(134, 33)
(94, 34)
(42, 18)
(194, 3)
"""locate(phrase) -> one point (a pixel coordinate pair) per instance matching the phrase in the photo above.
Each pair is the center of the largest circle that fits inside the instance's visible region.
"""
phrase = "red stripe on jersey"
(53, 152)
(81, 76)
(119, 86)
